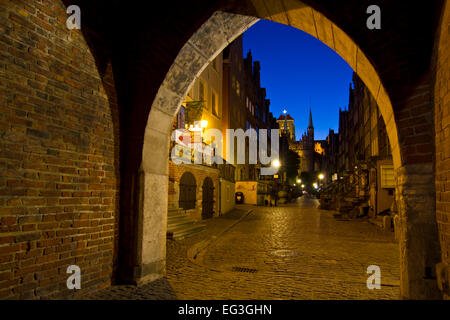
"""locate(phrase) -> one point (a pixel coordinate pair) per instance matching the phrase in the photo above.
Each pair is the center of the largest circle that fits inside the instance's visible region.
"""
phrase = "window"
(214, 104)
(374, 147)
(387, 176)
(181, 118)
(201, 91)
(214, 64)
(238, 88)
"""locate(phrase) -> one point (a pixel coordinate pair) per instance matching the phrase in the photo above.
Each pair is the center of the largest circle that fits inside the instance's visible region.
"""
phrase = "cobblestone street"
(293, 251)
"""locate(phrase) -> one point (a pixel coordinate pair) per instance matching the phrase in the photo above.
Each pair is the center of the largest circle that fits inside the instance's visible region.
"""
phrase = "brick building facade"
(247, 107)
(441, 98)
(59, 180)
(360, 155)
(200, 172)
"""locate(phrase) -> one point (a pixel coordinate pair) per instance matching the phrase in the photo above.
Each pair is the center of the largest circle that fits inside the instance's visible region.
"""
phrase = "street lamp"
(321, 176)
(276, 164)
(303, 186)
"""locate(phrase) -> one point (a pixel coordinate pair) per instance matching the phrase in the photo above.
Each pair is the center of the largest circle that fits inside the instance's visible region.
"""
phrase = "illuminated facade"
(310, 151)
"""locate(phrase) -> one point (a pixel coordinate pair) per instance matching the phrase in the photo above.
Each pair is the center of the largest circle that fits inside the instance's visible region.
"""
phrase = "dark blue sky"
(296, 67)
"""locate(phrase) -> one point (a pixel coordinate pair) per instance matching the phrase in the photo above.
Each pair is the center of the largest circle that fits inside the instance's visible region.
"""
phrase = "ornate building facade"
(310, 151)
(245, 106)
(359, 157)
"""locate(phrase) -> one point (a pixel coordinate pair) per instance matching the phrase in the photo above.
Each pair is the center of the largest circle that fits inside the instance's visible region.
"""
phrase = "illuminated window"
(214, 104)
(387, 176)
(201, 91)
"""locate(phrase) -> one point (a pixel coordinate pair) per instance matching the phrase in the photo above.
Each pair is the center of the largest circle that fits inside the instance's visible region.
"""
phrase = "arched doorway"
(188, 191)
(207, 198)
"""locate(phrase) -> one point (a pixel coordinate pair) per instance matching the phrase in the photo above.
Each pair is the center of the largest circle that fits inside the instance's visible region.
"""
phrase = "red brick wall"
(442, 124)
(200, 173)
(58, 163)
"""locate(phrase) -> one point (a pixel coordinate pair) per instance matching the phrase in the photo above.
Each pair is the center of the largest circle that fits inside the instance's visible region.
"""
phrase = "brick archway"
(419, 247)
(73, 157)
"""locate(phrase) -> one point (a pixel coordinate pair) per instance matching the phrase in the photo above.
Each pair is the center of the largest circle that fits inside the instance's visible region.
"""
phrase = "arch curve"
(212, 37)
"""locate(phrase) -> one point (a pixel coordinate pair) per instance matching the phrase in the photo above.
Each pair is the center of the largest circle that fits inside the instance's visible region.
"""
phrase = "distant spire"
(310, 119)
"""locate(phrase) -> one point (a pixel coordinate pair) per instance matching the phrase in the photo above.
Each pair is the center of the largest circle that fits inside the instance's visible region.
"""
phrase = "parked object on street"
(239, 196)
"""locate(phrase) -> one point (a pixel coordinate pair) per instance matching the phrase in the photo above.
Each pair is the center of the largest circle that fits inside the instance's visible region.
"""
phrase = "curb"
(193, 253)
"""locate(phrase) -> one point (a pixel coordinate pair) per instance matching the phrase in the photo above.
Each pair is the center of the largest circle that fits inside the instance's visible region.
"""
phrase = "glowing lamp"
(276, 163)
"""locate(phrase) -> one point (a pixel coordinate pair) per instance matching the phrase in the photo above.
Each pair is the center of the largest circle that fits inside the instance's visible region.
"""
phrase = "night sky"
(296, 67)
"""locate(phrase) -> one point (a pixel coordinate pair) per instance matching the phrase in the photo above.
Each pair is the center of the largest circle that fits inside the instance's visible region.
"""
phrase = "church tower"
(310, 127)
(308, 147)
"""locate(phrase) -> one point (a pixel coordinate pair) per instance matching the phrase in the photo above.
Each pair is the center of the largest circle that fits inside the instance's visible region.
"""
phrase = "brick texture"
(442, 129)
(59, 136)
(200, 173)
(58, 169)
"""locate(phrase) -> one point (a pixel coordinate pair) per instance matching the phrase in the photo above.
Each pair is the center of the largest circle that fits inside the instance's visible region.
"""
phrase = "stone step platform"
(175, 221)
(180, 226)
(174, 211)
(185, 231)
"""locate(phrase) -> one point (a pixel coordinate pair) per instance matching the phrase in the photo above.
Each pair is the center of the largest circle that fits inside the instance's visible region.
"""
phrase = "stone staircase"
(343, 197)
(180, 226)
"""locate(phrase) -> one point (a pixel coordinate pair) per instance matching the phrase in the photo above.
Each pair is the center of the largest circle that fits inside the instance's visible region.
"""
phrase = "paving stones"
(299, 252)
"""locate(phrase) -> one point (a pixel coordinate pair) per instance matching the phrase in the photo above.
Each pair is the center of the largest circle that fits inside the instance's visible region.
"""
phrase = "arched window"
(188, 191)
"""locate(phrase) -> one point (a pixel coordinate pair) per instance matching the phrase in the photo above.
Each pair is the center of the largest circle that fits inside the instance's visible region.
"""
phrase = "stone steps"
(186, 231)
(180, 226)
(174, 212)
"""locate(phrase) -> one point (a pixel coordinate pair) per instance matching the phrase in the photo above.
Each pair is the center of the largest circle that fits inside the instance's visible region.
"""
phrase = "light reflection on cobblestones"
(299, 252)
